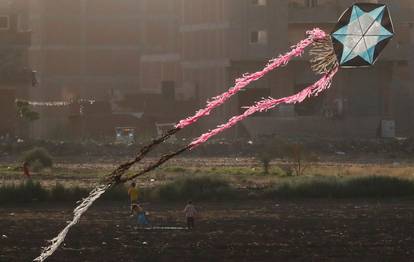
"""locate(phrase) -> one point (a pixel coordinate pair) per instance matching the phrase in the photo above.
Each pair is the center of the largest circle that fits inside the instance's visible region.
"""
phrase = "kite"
(360, 35)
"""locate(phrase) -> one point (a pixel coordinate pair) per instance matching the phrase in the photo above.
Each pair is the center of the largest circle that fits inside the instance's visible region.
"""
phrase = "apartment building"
(85, 48)
(157, 51)
(88, 49)
(15, 73)
(365, 102)
(222, 39)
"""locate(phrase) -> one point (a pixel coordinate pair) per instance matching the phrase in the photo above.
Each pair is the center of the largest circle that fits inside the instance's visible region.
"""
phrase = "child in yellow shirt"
(133, 194)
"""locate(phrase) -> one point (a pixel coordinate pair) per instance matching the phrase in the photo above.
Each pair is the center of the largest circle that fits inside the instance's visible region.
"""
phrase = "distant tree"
(269, 151)
(300, 157)
(27, 117)
(24, 112)
(38, 158)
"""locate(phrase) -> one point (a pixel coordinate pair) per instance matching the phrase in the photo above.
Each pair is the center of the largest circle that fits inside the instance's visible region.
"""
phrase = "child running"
(190, 213)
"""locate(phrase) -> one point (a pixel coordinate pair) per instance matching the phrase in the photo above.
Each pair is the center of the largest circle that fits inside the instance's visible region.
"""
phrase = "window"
(22, 23)
(259, 2)
(258, 37)
(4, 22)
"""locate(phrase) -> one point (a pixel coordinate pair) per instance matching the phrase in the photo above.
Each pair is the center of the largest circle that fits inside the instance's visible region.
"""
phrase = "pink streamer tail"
(246, 79)
(269, 103)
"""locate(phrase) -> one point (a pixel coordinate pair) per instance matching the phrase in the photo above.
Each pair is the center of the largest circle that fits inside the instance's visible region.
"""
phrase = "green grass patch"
(10, 171)
(340, 187)
(212, 188)
(243, 171)
(195, 188)
(25, 192)
(175, 169)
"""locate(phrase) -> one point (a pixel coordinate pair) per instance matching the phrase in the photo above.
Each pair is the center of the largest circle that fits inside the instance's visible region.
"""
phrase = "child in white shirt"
(190, 213)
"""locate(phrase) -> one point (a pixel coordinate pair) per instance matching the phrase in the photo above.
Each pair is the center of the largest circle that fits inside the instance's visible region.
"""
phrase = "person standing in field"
(190, 213)
(133, 194)
(26, 171)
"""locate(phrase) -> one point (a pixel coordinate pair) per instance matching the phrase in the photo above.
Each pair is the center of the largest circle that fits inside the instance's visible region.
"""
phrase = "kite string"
(269, 103)
(246, 79)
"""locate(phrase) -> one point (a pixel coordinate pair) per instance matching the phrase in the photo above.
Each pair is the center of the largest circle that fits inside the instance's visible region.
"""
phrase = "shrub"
(300, 157)
(370, 186)
(24, 111)
(62, 193)
(233, 171)
(196, 188)
(381, 186)
(268, 152)
(38, 158)
(118, 193)
(209, 188)
(25, 192)
(174, 169)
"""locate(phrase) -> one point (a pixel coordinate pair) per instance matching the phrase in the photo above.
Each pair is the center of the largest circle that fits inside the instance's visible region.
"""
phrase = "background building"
(15, 73)
(220, 40)
(164, 58)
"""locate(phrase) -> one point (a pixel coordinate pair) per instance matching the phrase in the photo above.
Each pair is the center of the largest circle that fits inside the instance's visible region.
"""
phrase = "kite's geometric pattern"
(361, 34)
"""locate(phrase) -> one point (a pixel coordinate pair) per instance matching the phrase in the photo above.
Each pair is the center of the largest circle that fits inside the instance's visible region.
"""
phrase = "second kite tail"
(266, 104)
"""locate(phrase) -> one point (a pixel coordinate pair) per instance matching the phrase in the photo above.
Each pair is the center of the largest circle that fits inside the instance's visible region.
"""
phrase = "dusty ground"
(316, 230)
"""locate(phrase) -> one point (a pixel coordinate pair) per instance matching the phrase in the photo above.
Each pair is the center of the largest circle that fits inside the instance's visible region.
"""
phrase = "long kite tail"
(261, 106)
(296, 50)
(266, 104)
(77, 214)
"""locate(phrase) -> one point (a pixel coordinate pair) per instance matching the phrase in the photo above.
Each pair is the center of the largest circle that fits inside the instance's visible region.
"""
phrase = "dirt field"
(316, 230)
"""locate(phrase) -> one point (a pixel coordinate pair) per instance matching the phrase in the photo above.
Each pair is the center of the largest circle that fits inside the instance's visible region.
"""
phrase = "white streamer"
(77, 213)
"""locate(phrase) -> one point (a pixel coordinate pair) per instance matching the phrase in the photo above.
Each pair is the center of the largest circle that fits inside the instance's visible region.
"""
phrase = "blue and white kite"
(361, 34)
